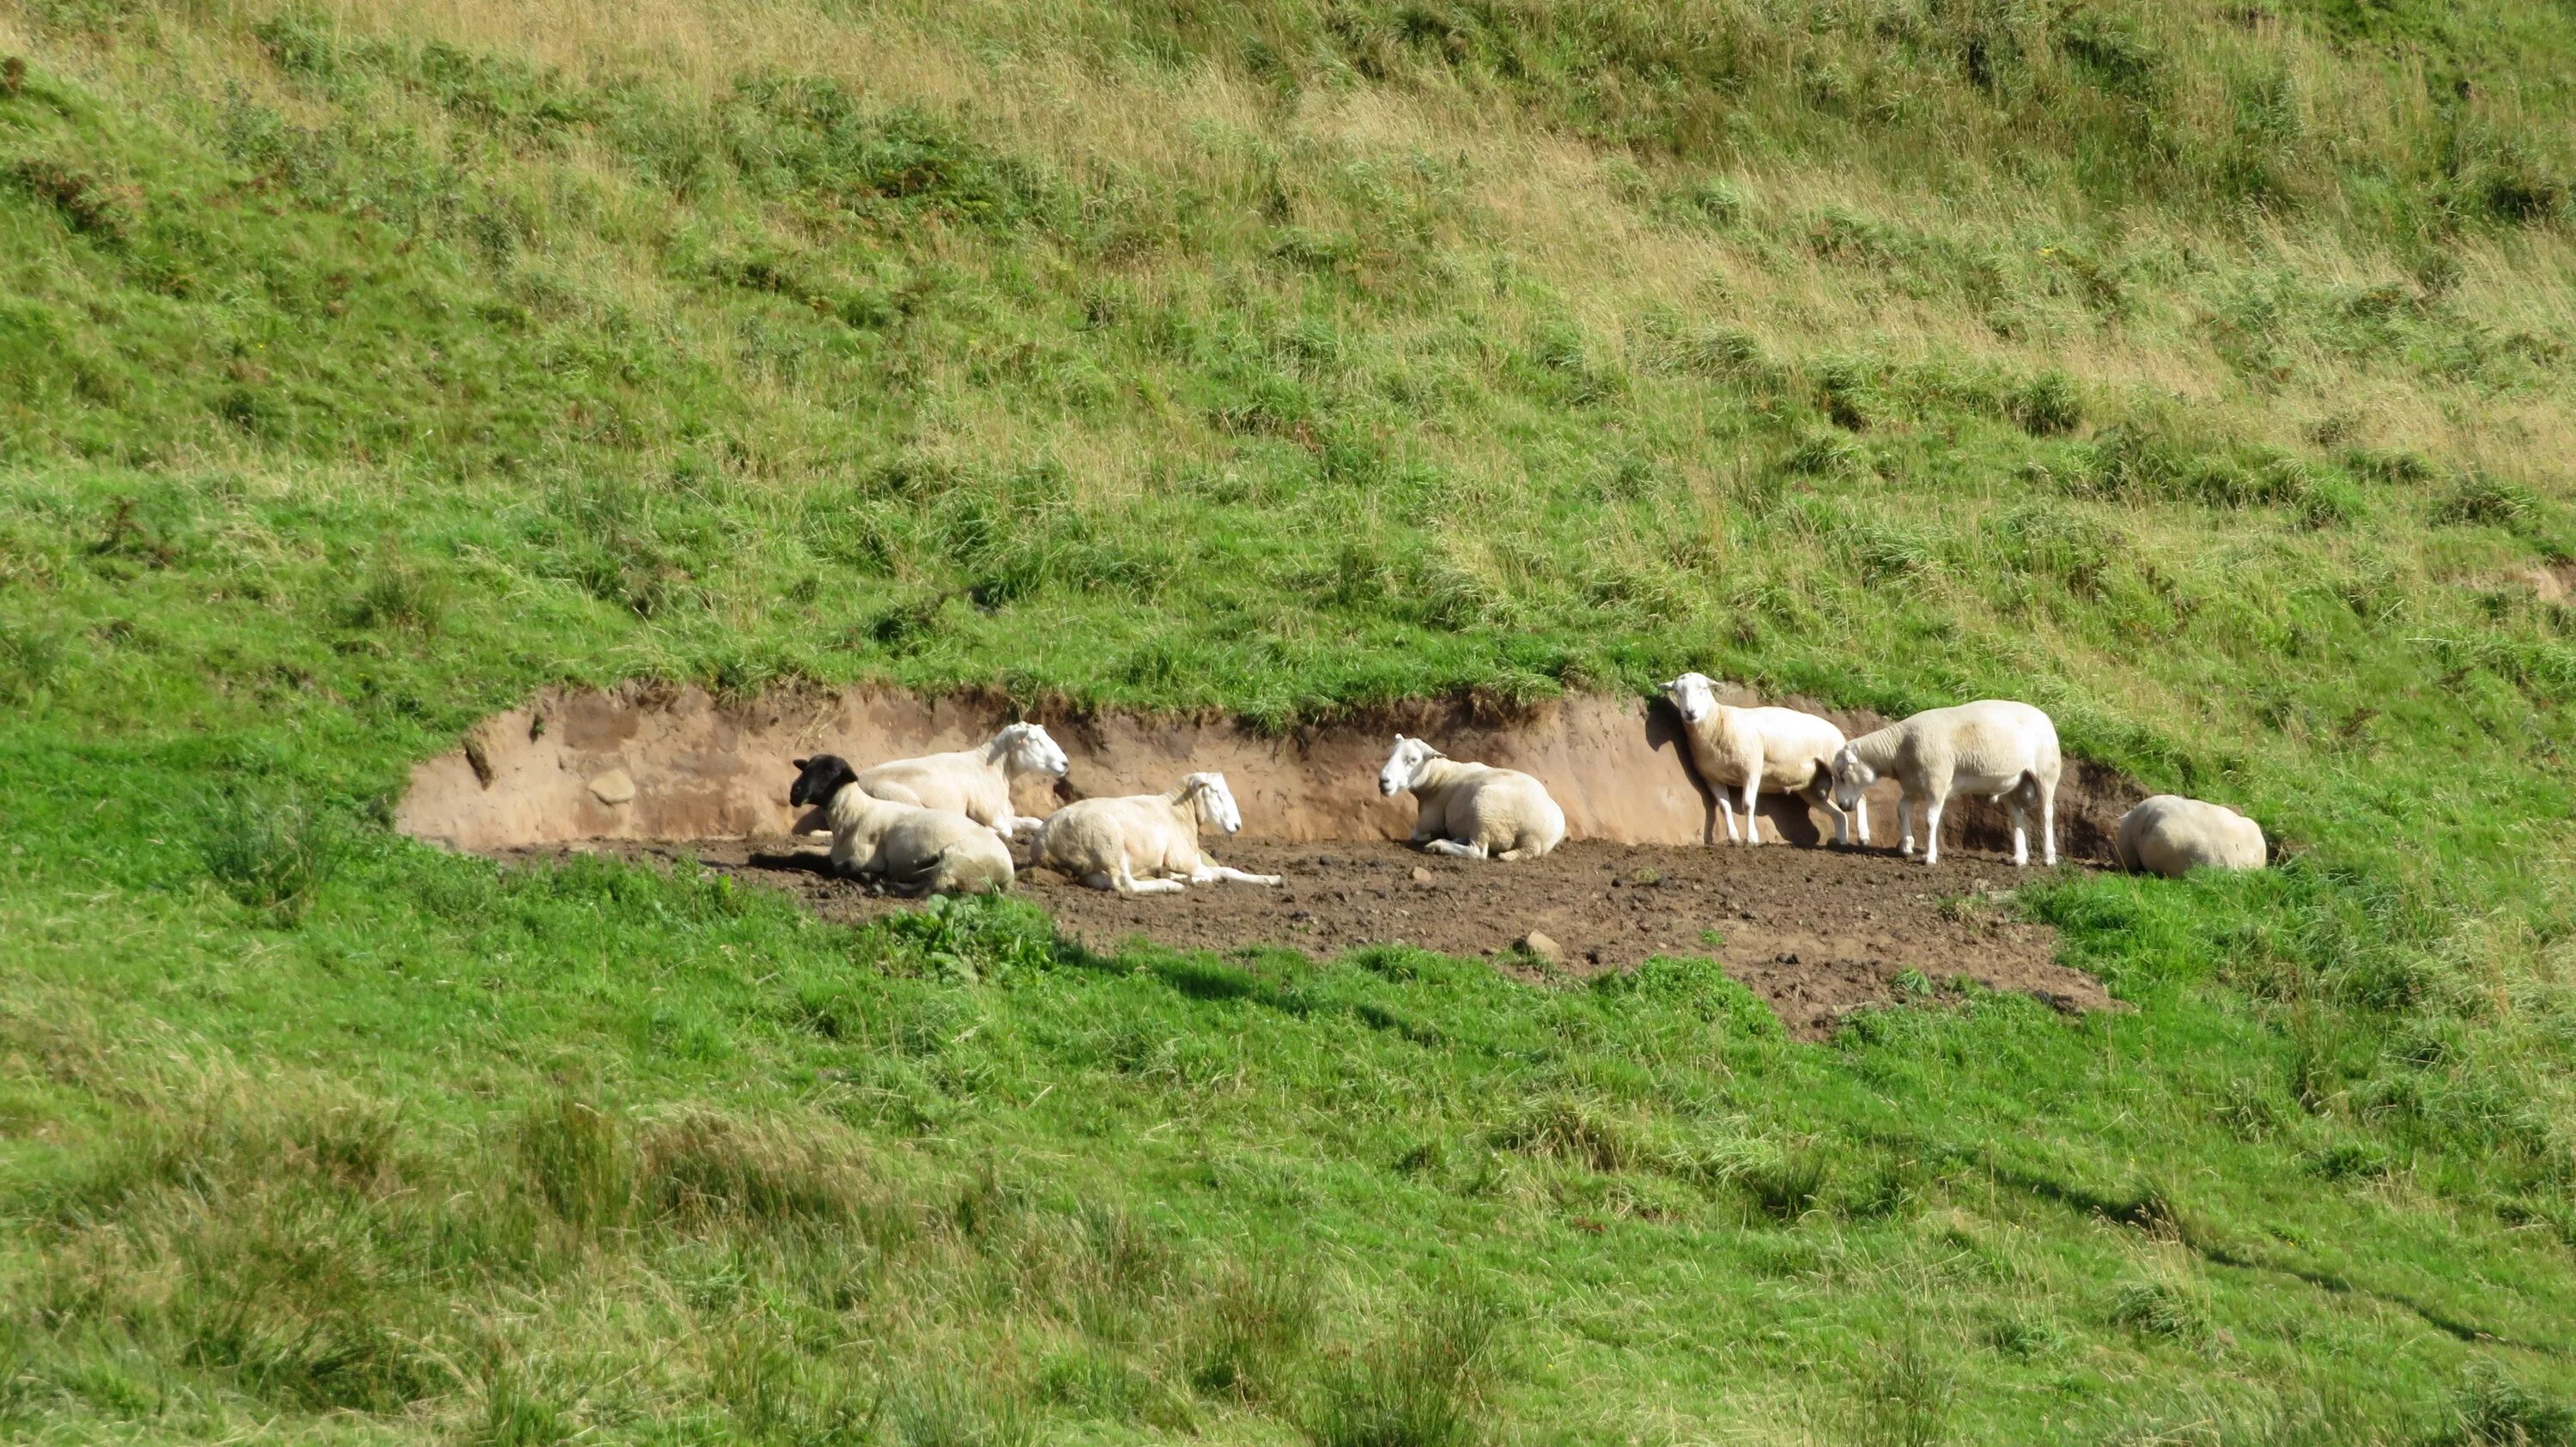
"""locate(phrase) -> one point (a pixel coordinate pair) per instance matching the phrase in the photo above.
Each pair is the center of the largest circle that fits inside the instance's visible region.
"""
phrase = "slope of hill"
(2199, 371)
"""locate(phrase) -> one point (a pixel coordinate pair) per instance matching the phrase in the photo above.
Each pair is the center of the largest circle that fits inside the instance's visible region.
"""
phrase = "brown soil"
(648, 763)
(1816, 932)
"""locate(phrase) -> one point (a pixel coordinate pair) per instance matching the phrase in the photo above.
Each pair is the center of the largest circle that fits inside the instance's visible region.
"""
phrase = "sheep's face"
(1693, 696)
(1028, 749)
(1404, 766)
(819, 778)
(1216, 803)
(1852, 779)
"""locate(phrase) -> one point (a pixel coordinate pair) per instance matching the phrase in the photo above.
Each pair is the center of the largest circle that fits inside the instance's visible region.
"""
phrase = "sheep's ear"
(798, 764)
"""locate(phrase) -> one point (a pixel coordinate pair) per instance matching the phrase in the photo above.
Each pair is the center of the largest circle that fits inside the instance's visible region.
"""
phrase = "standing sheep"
(914, 850)
(2171, 835)
(1754, 749)
(1473, 811)
(974, 782)
(2001, 749)
(1144, 843)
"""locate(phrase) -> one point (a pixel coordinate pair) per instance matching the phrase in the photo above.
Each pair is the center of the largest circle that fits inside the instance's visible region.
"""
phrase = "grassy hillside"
(2199, 371)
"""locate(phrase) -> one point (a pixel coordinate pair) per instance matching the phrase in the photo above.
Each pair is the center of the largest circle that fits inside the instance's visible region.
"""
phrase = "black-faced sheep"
(912, 850)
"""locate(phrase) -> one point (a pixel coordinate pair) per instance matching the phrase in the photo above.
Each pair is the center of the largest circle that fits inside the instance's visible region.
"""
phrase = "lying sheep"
(1473, 811)
(974, 782)
(914, 850)
(1754, 749)
(2171, 835)
(2005, 750)
(1144, 843)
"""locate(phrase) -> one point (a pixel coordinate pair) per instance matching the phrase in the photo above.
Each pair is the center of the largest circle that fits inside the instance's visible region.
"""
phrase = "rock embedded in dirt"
(613, 788)
(1421, 875)
(1538, 946)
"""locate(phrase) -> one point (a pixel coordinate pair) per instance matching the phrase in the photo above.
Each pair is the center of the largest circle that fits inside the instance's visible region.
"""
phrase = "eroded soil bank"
(662, 773)
(648, 763)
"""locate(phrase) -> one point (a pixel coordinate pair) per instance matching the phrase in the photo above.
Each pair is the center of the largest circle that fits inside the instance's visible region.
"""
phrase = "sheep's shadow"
(1792, 822)
(794, 861)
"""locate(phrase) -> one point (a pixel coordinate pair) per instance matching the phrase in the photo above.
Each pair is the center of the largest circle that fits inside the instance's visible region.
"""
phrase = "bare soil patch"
(1817, 933)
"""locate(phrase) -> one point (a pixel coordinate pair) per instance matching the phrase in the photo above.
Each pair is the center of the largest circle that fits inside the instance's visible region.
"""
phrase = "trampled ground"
(1816, 932)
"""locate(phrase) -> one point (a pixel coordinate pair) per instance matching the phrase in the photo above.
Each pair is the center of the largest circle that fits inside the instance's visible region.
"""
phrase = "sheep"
(1144, 843)
(914, 850)
(1754, 749)
(2170, 835)
(1473, 811)
(1998, 748)
(974, 782)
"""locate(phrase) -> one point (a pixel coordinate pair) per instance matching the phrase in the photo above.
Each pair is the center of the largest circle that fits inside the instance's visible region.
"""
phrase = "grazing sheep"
(1144, 843)
(913, 850)
(2171, 835)
(974, 782)
(1779, 749)
(2005, 750)
(1473, 811)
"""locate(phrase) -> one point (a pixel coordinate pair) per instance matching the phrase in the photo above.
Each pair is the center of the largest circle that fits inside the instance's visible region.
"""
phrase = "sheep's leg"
(1429, 824)
(1726, 811)
(1932, 827)
(1860, 816)
(1820, 797)
(1905, 823)
(1454, 849)
(2020, 832)
(2048, 827)
(1210, 872)
(1125, 882)
(1752, 795)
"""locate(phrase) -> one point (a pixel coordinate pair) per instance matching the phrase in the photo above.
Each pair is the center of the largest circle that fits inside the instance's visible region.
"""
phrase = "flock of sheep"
(944, 823)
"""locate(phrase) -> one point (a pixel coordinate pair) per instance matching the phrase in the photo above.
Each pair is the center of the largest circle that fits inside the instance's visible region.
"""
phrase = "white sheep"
(974, 782)
(2170, 835)
(1474, 811)
(1754, 749)
(912, 849)
(2005, 750)
(1144, 843)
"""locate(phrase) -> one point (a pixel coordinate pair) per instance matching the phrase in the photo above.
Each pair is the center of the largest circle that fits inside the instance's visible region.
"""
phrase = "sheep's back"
(1794, 744)
(1093, 835)
(941, 781)
(1994, 738)
(2170, 835)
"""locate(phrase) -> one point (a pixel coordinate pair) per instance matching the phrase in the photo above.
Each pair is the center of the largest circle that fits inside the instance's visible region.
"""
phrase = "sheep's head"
(1216, 802)
(819, 778)
(1693, 696)
(1852, 778)
(1404, 766)
(1026, 748)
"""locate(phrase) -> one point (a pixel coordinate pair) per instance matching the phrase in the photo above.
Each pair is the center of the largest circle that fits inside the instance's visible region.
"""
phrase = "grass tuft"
(1422, 1388)
(274, 852)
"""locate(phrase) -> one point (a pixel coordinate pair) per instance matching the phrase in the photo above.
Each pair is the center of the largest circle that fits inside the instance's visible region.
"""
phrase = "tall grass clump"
(1422, 1387)
(272, 851)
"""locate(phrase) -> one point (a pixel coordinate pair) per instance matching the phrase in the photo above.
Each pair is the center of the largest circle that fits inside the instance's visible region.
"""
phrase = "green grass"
(2197, 372)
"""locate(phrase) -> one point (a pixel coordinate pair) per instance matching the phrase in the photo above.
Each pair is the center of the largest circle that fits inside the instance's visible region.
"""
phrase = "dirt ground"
(1816, 932)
